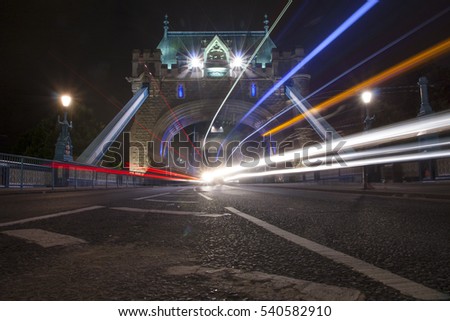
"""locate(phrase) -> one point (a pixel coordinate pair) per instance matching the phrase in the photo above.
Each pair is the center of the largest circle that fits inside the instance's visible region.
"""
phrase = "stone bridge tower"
(189, 75)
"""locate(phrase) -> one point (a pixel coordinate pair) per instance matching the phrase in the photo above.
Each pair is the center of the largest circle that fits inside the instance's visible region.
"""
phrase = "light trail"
(366, 155)
(397, 149)
(393, 43)
(335, 34)
(432, 124)
(356, 163)
(154, 173)
(420, 58)
(282, 112)
(244, 68)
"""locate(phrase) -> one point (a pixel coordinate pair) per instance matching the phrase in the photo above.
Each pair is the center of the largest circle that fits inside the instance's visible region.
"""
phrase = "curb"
(385, 193)
(14, 191)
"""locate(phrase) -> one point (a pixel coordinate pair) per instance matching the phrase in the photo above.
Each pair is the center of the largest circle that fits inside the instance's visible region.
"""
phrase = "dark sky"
(84, 47)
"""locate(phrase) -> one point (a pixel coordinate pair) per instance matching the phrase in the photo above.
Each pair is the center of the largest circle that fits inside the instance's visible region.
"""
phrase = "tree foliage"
(40, 140)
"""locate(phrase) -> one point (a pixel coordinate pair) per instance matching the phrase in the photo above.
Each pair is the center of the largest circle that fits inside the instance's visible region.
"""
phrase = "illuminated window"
(180, 91)
(253, 90)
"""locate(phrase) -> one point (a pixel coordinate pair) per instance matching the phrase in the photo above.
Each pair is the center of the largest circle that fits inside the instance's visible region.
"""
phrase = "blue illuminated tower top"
(216, 52)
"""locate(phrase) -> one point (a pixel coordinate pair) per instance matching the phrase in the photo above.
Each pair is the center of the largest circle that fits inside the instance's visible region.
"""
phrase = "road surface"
(237, 242)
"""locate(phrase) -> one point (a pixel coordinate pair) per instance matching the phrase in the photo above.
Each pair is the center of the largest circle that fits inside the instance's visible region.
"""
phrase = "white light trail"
(356, 163)
(433, 124)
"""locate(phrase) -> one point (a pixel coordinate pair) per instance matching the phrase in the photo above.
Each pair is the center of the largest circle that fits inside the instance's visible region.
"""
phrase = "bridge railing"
(26, 172)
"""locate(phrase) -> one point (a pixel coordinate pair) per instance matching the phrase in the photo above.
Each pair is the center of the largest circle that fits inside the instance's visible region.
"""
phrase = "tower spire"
(266, 23)
(166, 25)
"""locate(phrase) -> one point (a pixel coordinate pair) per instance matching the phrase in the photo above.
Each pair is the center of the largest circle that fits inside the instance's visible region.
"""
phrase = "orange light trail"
(401, 67)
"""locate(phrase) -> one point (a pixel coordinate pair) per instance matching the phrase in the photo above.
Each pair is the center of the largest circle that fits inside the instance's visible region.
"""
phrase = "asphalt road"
(239, 242)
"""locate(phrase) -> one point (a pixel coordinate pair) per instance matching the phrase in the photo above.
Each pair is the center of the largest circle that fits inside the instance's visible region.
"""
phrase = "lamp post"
(368, 120)
(427, 168)
(63, 148)
(366, 97)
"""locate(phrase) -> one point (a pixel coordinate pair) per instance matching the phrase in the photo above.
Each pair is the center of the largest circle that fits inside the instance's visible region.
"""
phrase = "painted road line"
(143, 210)
(169, 201)
(390, 279)
(44, 217)
(181, 195)
(44, 238)
(183, 189)
(151, 196)
(204, 196)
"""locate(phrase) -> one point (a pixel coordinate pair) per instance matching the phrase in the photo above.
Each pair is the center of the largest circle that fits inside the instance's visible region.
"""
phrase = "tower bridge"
(182, 83)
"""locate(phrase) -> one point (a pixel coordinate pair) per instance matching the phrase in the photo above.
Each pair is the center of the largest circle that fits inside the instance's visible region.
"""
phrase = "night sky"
(84, 47)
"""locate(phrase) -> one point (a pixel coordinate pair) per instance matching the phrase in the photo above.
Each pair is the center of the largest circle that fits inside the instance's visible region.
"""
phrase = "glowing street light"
(66, 100)
(366, 97)
(63, 148)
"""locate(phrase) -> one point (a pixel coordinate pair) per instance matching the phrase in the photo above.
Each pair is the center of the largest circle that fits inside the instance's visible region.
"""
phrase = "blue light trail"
(380, 51)
(344, 26)
(393, 43)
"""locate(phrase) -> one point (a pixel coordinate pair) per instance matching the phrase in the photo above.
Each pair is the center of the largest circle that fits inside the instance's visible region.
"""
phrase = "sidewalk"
(426, 189)
(43, 190)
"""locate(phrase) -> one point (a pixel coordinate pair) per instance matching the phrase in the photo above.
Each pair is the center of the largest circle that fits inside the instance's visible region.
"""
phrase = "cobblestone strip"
(44, 238)
(44, 217)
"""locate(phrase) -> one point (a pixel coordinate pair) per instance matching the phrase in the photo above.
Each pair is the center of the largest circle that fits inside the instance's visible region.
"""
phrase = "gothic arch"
(204, 110)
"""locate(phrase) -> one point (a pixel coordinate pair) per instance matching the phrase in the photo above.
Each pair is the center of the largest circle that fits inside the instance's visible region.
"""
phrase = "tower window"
(180, 91)
(253, 90)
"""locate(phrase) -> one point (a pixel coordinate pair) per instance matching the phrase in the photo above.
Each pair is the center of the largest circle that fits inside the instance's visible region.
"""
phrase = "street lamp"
(63, 148)
(366, 97)
(66, 100)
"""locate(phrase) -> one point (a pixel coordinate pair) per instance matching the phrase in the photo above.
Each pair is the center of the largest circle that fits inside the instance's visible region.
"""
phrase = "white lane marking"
(143, 210)
(207, 197)
(38, 218)
(44, 238)
(390, 279)
(151, 196)
(169, 201)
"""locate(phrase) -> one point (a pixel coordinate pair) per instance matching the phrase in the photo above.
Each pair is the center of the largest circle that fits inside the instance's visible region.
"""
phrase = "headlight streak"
(356, 163)
(426, 125)
(389, 73)
(244, 68)
(282, 112)
(368, 154)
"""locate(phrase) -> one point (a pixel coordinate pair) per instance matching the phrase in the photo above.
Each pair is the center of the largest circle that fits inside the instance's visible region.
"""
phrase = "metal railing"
(26, 172)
